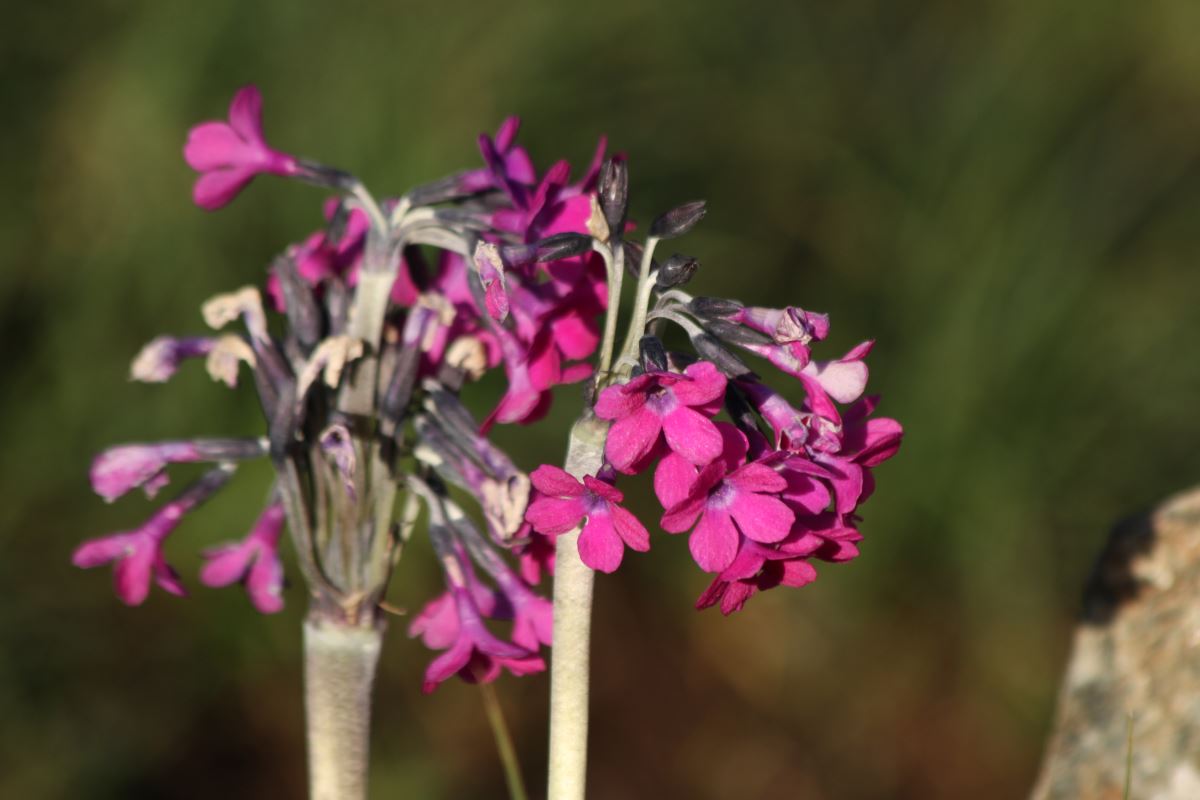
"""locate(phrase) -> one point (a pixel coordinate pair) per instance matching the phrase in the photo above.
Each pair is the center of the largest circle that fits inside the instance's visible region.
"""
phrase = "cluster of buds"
(394, 306)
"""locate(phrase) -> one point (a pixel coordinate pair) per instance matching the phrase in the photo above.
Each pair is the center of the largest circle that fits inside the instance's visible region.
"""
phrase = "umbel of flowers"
(358, 344)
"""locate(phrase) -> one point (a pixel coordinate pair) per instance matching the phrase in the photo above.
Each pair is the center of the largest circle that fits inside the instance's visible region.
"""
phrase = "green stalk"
(504, 743)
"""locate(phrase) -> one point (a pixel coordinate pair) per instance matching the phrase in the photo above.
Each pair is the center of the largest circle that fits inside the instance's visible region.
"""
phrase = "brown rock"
(1135, 660)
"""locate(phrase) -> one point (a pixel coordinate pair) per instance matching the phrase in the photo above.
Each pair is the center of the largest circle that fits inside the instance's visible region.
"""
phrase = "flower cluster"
(389, 310)
(763, 494)
(392, 307)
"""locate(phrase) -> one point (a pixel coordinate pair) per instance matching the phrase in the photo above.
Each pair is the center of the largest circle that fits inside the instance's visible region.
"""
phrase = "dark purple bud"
(563, 245)
(735, 334)
(518, 255)
(613, 191)
(300, 305)
(678, 221)
(711, 350)
(337, 305)
(714, 307)
(676, 271)
(653, 354)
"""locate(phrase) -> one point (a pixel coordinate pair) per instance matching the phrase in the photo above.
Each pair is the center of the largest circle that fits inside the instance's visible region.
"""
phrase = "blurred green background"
(1005, 195)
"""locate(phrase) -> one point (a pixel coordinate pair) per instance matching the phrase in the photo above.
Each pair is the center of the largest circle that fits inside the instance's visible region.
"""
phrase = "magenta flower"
(476, 655)
(137, 555)
(120, 469)
(254, 562)
(229, 154)
(727, 500)
(565, 502)
(655, 405)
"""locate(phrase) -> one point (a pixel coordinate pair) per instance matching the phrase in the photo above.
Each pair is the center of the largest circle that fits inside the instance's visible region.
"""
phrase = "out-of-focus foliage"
(1005, 195)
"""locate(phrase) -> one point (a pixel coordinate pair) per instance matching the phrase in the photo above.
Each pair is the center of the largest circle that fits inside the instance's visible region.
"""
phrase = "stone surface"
(1135, 660)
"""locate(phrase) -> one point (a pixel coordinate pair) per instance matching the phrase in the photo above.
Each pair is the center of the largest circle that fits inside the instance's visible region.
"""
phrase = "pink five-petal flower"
(726, 503)
(667, 405)
(229, 154)
(474, 653)
(564, 502)
(254, 561)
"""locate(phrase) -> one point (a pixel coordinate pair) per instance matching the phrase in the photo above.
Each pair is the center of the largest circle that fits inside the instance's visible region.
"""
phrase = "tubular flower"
(229, 154)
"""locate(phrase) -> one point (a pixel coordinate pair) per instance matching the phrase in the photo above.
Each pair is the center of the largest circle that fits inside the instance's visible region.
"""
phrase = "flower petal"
(630, 529)
(554, 515)
(555, 482)
(707, 385)
(714, 543)
(761, 517)
(599, 546)
(630, 438)
(692, 435)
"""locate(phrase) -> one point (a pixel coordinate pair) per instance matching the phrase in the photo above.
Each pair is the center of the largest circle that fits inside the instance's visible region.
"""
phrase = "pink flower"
(254, 562)
(137, 559)
(564, 503)
(663, 404)
(476, 655)
(120, 469)
(726, 501)
(137, 555)
(229, 155)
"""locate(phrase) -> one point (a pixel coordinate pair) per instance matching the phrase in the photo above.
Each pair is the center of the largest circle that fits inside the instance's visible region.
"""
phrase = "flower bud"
(613, 192)
(653, 354)
(676, 271)
(562, 245)
(714, 307)
(711, 350)
(677, 221)
(735, 334)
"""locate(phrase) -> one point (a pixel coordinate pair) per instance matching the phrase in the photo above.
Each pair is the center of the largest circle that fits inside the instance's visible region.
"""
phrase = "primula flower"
(730, 499)
(254, 561)
(668, 405)
(565, 502)
(229, 154)
(121, 469)
(137, 555)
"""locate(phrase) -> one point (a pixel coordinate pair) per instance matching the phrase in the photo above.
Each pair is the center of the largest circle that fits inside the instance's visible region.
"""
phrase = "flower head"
(229, 154)
(663, 405)
(608, 528)
(254, 562)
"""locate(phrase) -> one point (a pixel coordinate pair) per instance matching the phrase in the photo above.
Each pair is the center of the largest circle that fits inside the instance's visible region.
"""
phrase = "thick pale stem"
(573, 582)
(339, 669)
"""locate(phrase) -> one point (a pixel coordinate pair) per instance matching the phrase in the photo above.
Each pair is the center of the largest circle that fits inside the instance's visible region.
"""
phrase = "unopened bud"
(711, 350)
(676, 271)
(301, 307)
(653, 354)
(735, 334)
(714, 307)
(562, 245)
(613, 190)
(678, 221)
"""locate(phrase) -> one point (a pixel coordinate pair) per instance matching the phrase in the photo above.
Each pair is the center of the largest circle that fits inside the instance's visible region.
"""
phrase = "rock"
(1135, 660)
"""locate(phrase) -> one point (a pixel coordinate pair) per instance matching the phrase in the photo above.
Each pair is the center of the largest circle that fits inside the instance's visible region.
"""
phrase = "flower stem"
(504, 744)
(573, 581)
(339, 668)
